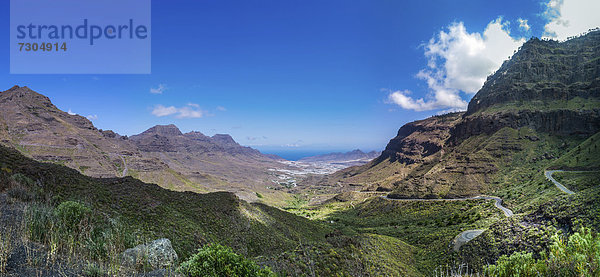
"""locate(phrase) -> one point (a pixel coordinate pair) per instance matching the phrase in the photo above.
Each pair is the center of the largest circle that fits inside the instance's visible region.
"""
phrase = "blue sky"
(300, 75)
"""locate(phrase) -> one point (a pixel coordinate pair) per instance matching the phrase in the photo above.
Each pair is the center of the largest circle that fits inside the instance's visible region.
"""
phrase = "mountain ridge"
(161, 154)
(520, 107)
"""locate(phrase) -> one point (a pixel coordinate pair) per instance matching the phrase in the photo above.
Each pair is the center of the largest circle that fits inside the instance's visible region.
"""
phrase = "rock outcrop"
(419, 139)
(547, 89)
(158, 254)
(30, 122)
(560, 122)
(544, 71)
(162, 154)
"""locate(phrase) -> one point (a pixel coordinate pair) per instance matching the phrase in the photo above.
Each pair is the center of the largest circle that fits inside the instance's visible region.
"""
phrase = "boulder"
(156, 254)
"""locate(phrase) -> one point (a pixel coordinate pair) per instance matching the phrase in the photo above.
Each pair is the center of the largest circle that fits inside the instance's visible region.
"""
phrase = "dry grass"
(6, 248)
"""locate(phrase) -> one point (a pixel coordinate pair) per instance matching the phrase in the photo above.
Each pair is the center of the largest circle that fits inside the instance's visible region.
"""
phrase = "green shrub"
(217, 260)
(578, 256)
(519, 264)
(22, 179)
(19, 193)
(39, 219)
(93, 270)
(71, 213)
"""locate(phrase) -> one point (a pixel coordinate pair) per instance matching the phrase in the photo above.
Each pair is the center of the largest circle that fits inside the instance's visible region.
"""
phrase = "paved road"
(549, 173)
(507, 212)
(498, 204)
(465, 237)
(124, 165)
(468, 235)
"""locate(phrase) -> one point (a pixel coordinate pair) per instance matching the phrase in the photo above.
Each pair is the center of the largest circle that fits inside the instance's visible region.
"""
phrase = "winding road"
(549, 173)
(498, 204)
(468, 235)
(465, 237)
(124, 165)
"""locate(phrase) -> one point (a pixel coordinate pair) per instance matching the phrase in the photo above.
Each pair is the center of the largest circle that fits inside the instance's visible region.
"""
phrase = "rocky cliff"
(31, 123)
(546, 72)
(162, 154)
(547, 86)
(418, 140)
(537, 105)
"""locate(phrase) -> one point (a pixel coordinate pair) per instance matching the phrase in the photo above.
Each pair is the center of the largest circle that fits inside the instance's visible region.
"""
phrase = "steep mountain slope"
(187, 218)
(545, 75)
(290, 244)
(417, 145)
(30, 123)
(196, 156)
(535, 108)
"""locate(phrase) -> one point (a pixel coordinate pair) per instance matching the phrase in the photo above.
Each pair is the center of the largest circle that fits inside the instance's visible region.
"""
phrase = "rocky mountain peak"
(420, 139)
(224, 139)
(356, 151)
(195, 134)
(25, 96)
(544, 70)
(163, 130)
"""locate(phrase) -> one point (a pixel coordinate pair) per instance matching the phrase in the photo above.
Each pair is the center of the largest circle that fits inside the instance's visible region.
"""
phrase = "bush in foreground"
(74, 230)
(217, 260)
(578, 256)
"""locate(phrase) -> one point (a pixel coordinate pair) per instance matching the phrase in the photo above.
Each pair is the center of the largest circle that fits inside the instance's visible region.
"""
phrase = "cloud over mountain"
(459, 61)
(190, 110)
(570, 17)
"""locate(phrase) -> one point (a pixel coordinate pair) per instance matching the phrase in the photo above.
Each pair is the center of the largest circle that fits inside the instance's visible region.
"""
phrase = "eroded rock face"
(547, 88)
(560, 122)
(164, 155)
(158, 254)
(545, 70)
(534, 88)
(168, 138)
(420, 139)
(30, 122)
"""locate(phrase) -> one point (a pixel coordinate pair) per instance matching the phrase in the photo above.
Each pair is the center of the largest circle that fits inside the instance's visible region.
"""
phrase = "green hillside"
(190, 220)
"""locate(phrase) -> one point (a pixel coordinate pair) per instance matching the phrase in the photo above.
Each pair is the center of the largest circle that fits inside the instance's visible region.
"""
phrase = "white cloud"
(570, 17)
(191, 110)
(92, 117)
(160, 110)
(70, 112)
(459, 61)
(159, 90)
(402, 99)
(523, 24)
(221, 108)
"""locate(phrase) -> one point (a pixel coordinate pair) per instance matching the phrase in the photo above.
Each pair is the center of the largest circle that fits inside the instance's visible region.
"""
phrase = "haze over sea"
(294, 155)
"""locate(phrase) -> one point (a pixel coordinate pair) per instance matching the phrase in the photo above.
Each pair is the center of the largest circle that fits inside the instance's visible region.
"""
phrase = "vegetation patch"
(577, 255)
